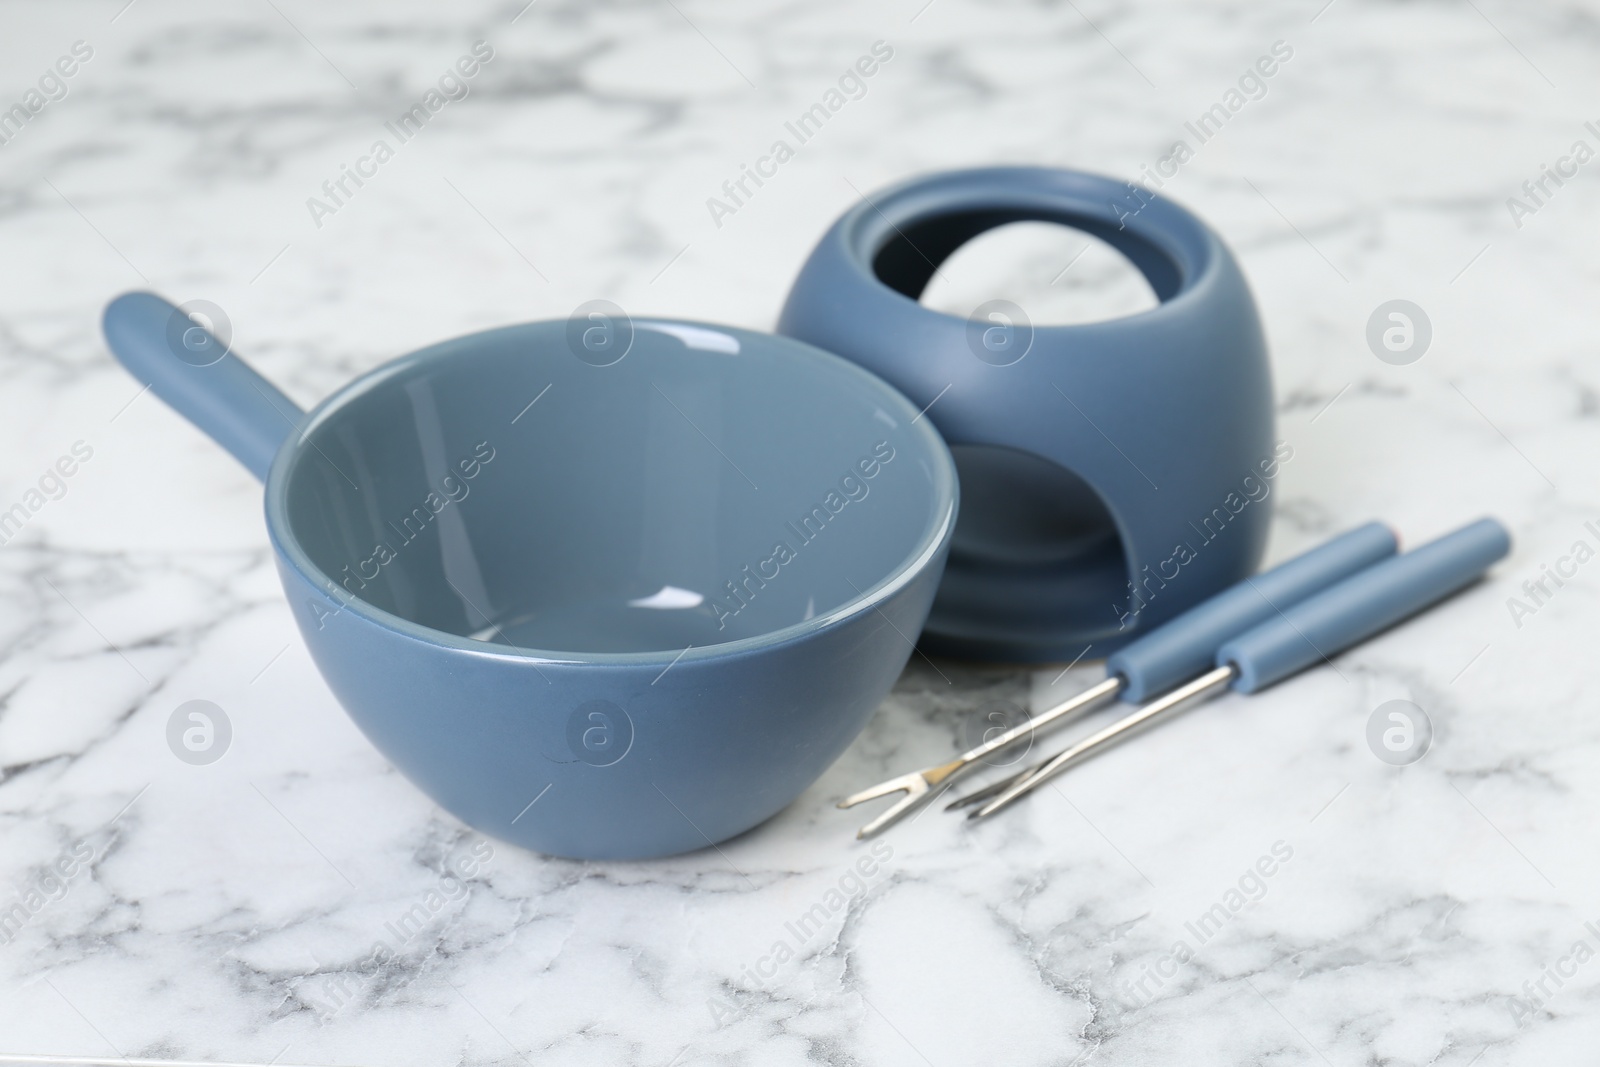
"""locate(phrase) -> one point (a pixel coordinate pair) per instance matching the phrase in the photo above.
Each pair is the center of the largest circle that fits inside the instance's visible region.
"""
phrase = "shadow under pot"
(1113, 473)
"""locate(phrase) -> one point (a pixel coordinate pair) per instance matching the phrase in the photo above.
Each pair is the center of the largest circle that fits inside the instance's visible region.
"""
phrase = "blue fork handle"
(1187, 646)
(188, 368)
(1361, 606)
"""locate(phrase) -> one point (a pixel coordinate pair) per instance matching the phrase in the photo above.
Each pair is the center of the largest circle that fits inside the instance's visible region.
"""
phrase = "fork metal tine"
(908, 783)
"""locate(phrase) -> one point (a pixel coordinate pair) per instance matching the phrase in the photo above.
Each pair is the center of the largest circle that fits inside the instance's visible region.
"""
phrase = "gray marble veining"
(298, 901)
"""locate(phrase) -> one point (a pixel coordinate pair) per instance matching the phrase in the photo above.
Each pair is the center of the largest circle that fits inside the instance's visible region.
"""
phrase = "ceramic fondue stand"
(1113, 473)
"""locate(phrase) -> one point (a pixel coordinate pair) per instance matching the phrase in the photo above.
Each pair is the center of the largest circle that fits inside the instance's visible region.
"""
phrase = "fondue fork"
(1173, 653)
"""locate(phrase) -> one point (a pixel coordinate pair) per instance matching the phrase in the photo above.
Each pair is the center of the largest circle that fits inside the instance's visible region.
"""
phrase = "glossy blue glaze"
(602, 611)
(1116, 473)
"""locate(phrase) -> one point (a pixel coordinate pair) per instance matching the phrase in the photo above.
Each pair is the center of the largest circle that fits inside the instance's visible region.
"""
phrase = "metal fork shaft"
(1202, 688)
(1062, 712)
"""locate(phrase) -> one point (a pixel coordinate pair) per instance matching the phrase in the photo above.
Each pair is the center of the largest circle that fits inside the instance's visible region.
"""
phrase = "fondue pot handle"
(175, 352)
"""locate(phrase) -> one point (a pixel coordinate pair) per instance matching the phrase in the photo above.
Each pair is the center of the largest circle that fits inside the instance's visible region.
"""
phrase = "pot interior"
(613, 486)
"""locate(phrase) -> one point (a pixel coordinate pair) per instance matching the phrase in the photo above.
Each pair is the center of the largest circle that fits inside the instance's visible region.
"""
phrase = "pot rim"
(933, 540)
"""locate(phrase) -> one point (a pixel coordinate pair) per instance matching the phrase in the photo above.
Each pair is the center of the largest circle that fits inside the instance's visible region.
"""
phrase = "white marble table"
(1425, 914)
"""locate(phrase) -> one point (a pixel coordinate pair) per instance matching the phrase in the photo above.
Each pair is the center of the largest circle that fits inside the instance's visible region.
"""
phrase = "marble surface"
(1435, 913)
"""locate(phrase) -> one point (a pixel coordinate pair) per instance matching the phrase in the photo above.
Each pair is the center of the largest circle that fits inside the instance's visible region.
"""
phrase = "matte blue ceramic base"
(1114, 473)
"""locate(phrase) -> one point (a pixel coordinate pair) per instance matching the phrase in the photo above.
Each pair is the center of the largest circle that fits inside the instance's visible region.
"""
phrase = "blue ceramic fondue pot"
(602, 588)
